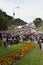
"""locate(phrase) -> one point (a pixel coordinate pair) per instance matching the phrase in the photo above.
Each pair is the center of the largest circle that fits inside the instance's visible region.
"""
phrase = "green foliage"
(3, 14)
(7, 21)
(4, 21)
(37, 22)
(18, 22)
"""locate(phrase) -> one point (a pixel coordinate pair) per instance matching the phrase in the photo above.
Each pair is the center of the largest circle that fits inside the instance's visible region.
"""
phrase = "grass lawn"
(40, 29)
(35, 57)
(13, 48)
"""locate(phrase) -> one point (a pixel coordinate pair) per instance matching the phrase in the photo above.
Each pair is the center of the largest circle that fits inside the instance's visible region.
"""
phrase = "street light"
(13, 11)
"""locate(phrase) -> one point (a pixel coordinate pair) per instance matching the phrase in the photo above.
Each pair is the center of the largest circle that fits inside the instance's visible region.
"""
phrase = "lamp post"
(14, 12)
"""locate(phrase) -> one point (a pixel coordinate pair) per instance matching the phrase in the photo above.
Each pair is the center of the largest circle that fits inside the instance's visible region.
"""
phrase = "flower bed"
(13, 57)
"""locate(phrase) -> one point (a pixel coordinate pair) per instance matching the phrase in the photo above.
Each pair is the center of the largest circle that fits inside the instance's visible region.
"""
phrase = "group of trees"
(38, 22)
(7, 21)
(18, 22)
(4, 20)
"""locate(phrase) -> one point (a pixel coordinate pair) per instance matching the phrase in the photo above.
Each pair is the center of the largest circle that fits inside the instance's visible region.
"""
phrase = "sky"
(28, 9)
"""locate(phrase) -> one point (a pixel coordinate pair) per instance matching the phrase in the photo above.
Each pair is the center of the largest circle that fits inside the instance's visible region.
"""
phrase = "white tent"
(19, 27)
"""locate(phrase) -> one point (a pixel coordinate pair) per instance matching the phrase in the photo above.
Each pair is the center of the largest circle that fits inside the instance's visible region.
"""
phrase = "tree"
(37, 22)
(18, 22)
(7, 21)
(4, 23)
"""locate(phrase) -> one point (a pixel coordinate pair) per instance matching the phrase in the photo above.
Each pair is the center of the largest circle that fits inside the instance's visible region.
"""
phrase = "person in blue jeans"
(4, 41)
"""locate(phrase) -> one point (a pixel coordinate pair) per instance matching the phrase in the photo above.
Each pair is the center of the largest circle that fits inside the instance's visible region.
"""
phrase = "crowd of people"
(8, 39)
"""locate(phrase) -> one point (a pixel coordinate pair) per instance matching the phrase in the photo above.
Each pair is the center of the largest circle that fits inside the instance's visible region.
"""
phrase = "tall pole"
(14, 11)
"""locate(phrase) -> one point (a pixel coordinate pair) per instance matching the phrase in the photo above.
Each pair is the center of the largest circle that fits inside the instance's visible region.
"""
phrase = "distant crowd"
(8, 39)
(14, 39)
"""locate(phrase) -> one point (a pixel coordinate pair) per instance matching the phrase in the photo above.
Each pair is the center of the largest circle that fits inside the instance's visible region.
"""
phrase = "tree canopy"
(19, 22)
(37, 22)
(6, 21)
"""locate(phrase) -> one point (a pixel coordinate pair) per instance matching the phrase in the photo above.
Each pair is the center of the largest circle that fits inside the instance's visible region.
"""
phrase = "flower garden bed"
(13, 57)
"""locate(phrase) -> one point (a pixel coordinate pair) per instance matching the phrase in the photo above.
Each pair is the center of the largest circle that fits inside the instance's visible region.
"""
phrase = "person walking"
(42, 44)
(4, 41)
